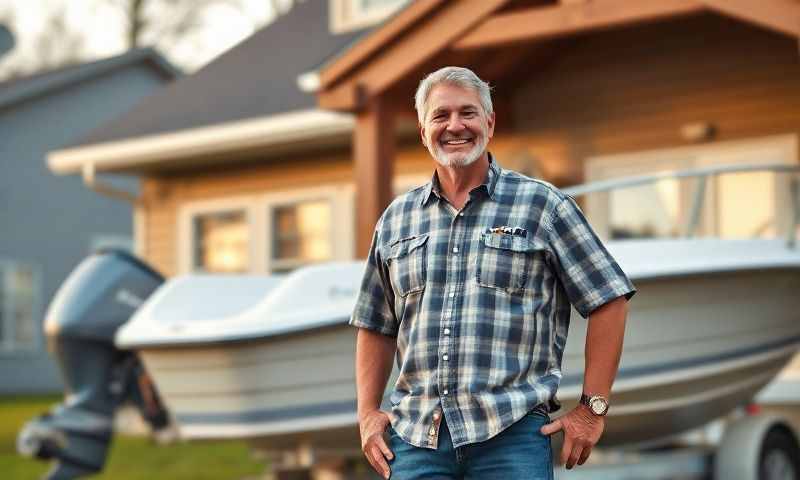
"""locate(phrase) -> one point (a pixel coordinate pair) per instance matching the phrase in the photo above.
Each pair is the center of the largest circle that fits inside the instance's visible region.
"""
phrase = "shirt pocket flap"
(404, 246)
(514, 243)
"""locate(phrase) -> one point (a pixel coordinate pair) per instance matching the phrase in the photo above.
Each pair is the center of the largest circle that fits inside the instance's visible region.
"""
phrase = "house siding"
(612, 92)
(632, 90)
(49, 221)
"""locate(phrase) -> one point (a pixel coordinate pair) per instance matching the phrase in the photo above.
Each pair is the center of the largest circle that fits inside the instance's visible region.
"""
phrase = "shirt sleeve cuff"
(382, 329)
(608, 293)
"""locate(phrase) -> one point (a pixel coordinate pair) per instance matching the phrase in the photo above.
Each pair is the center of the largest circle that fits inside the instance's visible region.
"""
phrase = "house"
(285, 150)
(49, 225)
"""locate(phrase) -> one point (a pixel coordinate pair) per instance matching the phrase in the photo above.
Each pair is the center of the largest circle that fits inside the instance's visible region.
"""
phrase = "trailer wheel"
(779, 458)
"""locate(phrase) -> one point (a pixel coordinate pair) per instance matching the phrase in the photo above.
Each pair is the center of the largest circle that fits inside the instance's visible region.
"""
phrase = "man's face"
(456, 130)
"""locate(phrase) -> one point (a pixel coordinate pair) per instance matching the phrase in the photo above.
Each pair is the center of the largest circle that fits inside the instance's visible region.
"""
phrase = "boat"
(271, 359)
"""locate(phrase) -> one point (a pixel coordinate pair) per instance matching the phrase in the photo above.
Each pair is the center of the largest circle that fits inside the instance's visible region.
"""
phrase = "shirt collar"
(488, 185)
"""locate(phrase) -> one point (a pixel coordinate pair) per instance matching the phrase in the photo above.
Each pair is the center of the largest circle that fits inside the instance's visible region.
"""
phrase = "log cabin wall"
(163, 195)
(633, 89)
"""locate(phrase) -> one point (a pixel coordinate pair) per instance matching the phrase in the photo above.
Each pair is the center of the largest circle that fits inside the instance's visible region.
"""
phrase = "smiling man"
(469, 283)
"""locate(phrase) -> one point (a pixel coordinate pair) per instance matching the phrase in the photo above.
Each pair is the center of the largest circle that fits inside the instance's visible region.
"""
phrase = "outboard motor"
(98, 297)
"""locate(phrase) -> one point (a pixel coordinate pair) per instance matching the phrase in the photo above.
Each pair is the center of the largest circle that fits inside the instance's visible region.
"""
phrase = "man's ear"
(422, 134)
(490, 124)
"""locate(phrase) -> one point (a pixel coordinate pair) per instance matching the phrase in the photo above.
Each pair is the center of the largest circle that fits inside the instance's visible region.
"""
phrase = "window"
(272, 232)
(348, 15)
(301, 234)
(221, 242)
(20, 286)
(740, 205)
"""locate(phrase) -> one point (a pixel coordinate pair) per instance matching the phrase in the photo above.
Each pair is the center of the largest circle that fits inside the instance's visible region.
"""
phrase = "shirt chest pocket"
(406, 262)
(506, 262)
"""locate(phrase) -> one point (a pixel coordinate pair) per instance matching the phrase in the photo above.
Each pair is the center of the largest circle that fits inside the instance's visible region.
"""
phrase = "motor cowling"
(97, 298)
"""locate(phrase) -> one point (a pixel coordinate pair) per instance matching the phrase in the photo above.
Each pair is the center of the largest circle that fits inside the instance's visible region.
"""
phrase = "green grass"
(131, 458)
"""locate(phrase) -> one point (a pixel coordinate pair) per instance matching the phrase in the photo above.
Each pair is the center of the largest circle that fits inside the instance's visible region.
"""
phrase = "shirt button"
(460, 214)
(452, 294)
(445, 357)
(455, 249)
(447, 331)
(444, 392)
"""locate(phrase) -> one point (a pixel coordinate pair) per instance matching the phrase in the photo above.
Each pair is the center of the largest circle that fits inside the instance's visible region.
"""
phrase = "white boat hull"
(696, 347)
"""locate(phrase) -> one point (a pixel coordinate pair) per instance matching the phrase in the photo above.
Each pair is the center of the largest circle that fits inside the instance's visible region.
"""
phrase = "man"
(469, 280)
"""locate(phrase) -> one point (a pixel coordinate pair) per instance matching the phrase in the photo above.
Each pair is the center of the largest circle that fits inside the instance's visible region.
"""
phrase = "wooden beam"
(373, 152)
(569, 18)
(430, 36)
(782, 16)
(367, 47)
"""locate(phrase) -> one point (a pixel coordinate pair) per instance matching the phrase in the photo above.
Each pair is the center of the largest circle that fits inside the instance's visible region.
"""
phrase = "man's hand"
(581, 429)
(372, 425)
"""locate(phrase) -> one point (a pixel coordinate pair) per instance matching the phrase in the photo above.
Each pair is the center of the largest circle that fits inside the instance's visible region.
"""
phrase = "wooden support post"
(373, 152)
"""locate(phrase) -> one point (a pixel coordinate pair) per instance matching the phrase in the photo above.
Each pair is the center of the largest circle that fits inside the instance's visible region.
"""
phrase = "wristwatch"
(597, 404)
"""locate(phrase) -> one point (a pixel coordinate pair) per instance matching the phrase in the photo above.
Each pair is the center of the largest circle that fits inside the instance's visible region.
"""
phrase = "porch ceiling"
(495, 36)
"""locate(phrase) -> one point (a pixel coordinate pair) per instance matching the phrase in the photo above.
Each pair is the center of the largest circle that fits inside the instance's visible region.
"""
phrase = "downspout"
(92, 183)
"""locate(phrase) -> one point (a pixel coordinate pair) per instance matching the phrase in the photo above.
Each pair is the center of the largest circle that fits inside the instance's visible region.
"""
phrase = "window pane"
(22, 288)
(646, 211)
(221, 242)
(303, 232)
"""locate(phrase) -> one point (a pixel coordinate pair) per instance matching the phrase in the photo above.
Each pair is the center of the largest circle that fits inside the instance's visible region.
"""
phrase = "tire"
(779, 458)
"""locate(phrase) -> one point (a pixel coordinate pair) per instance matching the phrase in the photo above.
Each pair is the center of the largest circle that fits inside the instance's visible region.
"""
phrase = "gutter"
(289, 128)
(91, 182)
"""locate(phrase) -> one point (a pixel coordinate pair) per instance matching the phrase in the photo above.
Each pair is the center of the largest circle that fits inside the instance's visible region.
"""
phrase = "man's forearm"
(604, 346)
(374, 353)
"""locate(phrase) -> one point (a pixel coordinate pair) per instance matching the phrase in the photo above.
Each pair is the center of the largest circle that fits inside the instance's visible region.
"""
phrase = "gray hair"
(460, 76)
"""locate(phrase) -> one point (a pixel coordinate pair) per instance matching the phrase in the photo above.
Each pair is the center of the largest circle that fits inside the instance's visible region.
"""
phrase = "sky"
(223, 26)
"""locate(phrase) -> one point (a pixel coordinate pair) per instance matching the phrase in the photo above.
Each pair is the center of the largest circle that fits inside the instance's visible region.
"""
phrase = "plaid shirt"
(479, 300)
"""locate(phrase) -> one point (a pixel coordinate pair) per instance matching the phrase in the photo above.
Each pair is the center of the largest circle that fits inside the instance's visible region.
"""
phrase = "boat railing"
(698, 196)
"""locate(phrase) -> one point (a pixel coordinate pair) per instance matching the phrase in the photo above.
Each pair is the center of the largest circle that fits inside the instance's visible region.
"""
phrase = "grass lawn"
(131, 457)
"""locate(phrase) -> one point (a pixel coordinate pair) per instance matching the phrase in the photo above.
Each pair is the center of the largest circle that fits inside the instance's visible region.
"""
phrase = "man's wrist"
(597, 405)
(364, 413)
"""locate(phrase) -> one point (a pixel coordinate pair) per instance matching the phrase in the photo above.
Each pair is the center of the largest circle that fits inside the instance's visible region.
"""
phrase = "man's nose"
(454, 123)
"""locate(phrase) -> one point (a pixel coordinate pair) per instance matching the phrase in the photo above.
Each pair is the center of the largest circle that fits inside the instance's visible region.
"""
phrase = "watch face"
(598, 406)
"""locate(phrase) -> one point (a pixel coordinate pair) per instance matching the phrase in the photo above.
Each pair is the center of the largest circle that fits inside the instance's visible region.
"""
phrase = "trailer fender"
(756, 448)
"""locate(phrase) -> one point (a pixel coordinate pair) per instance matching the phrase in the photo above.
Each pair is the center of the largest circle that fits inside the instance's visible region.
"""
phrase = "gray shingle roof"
(24, 88)
(256, 78)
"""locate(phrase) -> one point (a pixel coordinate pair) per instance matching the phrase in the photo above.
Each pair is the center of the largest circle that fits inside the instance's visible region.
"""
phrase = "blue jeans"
(518, 452)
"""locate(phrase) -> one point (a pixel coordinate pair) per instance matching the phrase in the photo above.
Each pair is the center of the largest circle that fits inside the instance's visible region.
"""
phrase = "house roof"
(25, 88)
(254, 79)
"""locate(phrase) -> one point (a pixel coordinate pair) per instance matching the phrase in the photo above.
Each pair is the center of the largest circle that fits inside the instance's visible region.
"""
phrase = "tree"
(164, 24)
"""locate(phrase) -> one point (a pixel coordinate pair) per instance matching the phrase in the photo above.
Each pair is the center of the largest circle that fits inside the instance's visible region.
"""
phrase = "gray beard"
(442, 158)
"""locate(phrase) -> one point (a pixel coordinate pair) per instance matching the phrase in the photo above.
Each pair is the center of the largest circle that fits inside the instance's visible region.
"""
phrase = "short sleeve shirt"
(479, 301)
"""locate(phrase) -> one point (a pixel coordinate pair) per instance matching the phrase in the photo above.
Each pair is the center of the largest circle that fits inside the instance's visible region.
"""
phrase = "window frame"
(8, 343)
(340, 198)
(347, 15)
(186, 237)
(259, 214)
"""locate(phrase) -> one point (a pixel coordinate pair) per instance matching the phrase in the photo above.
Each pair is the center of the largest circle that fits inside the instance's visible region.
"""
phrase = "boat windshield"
(729, 201)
